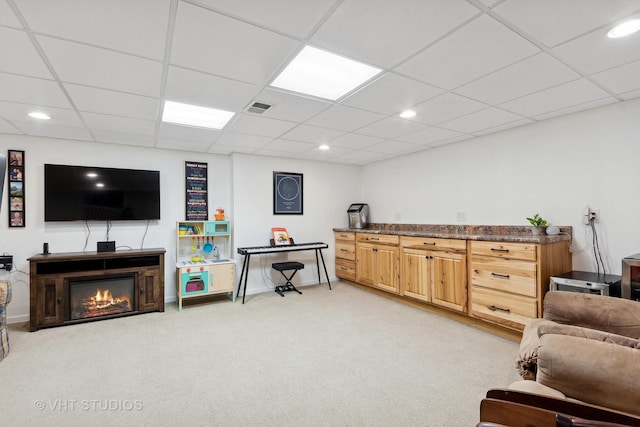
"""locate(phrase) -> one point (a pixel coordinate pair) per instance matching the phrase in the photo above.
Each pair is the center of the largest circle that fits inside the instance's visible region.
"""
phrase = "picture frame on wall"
(16, 188)
(287, 193)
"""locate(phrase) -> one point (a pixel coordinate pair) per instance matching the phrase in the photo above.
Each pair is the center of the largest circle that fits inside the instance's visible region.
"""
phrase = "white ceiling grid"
(103, 69)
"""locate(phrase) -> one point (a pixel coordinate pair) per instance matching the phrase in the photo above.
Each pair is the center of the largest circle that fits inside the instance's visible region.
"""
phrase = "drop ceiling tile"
(119, 124)
(480, 47)
(53, 131)
(490, 3)
(322, 155)
(630, 95)
(361, 157)
(242, 140)
(273, 153)
(530, 75)
(344, 118)
(379, 33)
(480, 120)
(541, 19)
(105, 101)
(312, 134)
(291, 17)
(596, 52)
(621, 79)
(450, 141)
(6, 127)
(557, 98)
(30, 90)
(226, 150)
(445, 107)
(391, 128)
(391, 94)
(188, 133)
(123, 138)
(290, 147)
(7, 17)
(138, 27)
(392, 147)
(355, 141)
(91, 66)
(575, 108)
(256, 125)
(249, 53)
(286, 106)
(205, 90)
(182, 145)
(19, 56)
(59, 116)
(429, 136)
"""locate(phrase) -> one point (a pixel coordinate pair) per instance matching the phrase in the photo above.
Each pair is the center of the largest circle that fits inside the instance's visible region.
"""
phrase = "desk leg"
(245, 271)
(246, 276)
(323, 266)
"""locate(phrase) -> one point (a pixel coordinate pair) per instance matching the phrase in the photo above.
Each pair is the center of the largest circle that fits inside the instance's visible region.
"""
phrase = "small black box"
(107, 246)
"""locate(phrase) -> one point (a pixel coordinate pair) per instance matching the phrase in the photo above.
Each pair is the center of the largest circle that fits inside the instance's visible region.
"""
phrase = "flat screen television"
(73, 193)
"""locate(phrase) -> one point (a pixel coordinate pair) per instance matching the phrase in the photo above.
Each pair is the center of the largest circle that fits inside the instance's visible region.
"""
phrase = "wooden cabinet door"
(50, 305)
(449, 285)
(365, 264)
(150, 291)
(387, 268)
(416, 274)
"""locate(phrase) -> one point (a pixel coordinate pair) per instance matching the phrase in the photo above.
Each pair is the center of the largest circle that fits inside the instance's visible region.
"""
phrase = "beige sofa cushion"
(592, 334)
(592, 371)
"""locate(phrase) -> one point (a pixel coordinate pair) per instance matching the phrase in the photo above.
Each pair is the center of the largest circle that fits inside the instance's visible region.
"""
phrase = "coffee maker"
(358, 215)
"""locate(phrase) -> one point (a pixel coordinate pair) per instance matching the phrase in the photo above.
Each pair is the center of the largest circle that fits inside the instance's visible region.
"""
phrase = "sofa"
(5, 298)
(585, 348)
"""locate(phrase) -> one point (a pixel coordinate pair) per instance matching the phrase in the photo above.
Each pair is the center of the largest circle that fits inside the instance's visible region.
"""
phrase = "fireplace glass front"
(101, 296)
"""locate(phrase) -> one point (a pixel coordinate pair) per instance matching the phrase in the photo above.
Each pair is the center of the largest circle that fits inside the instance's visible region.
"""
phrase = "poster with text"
(196, 194)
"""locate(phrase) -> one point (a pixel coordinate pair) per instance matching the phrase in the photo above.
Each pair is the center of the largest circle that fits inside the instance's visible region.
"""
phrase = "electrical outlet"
(6, 262)
(589, 215)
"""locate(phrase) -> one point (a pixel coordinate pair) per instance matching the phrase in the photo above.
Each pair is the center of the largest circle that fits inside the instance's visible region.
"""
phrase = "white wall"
(25, 242)
(554, 168)
(328, 191)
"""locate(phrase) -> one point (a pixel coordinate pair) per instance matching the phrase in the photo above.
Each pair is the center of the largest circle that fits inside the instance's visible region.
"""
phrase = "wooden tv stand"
(50, 276)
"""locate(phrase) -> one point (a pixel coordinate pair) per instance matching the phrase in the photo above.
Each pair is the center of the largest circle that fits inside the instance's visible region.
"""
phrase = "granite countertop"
(498, 233)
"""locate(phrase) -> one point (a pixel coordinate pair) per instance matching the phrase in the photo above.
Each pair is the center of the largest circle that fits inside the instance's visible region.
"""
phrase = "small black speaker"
(107, 246)
(45, 249)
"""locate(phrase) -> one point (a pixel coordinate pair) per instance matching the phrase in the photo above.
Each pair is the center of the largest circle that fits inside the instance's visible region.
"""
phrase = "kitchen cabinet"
(509, 280)
(345, 244)
(377, 259)
(434, 270)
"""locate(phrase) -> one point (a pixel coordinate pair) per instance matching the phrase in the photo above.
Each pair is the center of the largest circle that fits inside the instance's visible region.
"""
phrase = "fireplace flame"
(104, 299)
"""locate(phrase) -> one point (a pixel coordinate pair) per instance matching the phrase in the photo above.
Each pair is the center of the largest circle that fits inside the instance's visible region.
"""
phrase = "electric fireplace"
(101, 296)
(631, 277)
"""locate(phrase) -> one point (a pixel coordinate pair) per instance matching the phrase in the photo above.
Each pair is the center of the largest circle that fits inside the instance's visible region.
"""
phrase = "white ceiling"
(102, 69)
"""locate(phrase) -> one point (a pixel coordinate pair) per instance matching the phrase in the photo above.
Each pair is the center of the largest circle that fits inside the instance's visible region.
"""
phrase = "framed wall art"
(16, 188)
(287, 193)
(196, 191)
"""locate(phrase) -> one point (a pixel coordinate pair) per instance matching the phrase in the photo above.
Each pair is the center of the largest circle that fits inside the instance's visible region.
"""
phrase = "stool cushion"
(284, 266)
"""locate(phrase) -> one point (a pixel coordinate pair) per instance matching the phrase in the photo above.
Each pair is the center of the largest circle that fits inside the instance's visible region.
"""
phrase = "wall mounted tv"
(73, 193)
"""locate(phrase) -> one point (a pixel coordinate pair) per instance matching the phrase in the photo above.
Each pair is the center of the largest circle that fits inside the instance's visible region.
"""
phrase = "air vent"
(258, 107)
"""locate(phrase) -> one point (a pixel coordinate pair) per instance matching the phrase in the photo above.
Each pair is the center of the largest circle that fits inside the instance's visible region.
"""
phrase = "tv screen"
(74, 193)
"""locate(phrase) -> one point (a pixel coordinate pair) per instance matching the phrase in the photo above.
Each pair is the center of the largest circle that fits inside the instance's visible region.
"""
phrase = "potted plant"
(539, 224)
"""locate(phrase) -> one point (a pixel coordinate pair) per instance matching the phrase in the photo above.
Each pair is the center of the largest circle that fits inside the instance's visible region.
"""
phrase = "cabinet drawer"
(345, 235)
(506, 275)
(346, 269)
(433, 243)
(506, 309)
(385, 239)
(345, 250)
(525, 251)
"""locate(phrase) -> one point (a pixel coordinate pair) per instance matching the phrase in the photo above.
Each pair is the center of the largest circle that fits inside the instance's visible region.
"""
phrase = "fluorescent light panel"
(624, 29)
(193, 115)
(323, 74)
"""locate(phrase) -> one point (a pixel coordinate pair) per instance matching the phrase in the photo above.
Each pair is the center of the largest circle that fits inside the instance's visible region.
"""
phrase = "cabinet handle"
(499, 250)
(374, 238)
(429, 243)
(59, 300)
(502, 276)
(141, 290)
(344, 250)
(494, 308)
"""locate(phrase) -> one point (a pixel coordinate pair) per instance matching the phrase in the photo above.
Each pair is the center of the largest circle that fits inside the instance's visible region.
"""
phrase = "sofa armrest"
(596, 372)
(616, 315)
(5, 292)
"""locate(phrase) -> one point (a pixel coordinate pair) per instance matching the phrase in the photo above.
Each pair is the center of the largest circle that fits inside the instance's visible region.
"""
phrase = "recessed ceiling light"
(323, 74)
(324, 147)
(193, 115)
(624, 29)
(407, 114)
(39, 115)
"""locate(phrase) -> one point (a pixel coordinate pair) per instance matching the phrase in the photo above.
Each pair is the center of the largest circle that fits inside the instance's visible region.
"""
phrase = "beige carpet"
(345, 357)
